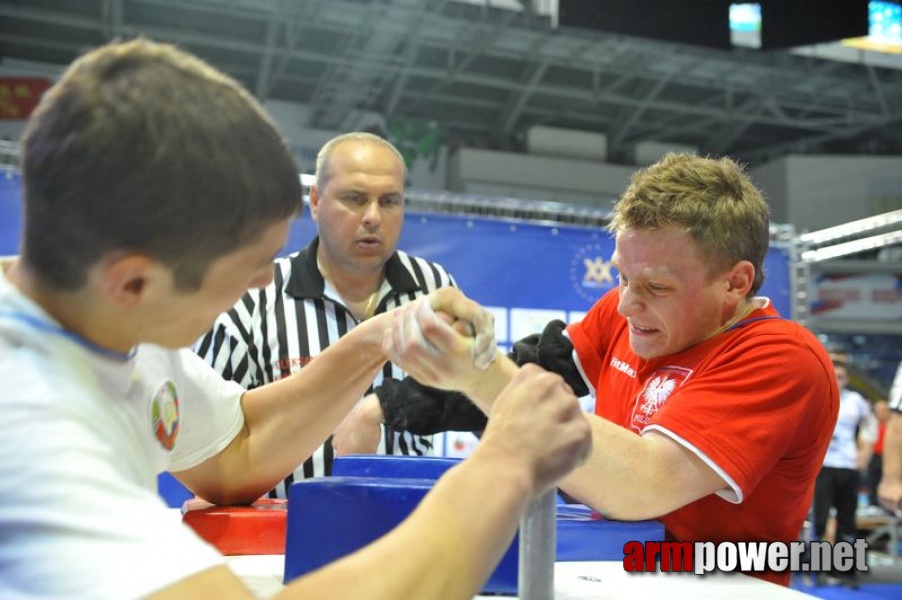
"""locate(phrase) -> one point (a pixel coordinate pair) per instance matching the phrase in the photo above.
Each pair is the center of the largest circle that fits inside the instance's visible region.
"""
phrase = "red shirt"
(757, 403)
(881, 435)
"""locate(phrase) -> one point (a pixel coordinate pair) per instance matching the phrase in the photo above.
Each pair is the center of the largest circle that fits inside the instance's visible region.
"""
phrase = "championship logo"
(590, 273)
(165, 415)
(658, 388)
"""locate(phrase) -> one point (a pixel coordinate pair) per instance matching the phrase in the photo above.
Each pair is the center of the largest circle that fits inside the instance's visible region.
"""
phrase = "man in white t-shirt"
(890, 489)
(156, 192)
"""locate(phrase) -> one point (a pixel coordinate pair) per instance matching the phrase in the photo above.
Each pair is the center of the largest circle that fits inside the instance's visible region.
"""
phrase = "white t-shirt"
(84, 435)
(854, 413)
(895, 392)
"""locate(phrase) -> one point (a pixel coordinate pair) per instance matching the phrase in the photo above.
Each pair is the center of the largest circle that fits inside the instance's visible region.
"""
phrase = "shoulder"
(411, 260)
(783, 342)
(428, 273)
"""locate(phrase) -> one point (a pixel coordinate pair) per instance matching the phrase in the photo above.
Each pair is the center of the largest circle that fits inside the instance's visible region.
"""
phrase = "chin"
(646, 351)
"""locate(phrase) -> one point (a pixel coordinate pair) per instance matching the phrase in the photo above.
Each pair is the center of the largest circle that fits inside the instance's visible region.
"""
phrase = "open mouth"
(642, 330)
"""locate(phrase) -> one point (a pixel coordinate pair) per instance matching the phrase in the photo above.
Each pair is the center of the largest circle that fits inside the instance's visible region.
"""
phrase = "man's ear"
(124, 279)
(314, 202)
(741, 278)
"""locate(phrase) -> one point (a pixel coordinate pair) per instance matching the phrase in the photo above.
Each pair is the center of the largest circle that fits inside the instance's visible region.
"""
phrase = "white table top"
(575, 581)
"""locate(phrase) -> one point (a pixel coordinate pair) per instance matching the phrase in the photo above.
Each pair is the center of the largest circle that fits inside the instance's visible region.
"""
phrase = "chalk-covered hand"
(443, 340)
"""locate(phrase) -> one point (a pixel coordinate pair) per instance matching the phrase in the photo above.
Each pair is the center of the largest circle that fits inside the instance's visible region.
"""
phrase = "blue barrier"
(172, 491)
(383, 465)
(330, 517)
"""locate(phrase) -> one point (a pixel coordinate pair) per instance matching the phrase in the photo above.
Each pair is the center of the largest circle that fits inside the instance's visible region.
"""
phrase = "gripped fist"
(441, 340)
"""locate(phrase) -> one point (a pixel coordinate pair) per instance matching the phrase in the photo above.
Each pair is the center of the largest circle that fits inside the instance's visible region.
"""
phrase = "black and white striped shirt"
(274, 331)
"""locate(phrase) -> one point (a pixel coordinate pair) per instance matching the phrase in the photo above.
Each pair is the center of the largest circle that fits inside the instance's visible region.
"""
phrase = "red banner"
(20, 95)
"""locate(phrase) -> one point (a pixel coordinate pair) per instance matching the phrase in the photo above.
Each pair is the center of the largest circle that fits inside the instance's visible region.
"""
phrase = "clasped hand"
(442, 340)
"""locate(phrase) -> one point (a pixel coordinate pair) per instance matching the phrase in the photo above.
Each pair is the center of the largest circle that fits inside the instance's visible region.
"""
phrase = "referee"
(351, 271)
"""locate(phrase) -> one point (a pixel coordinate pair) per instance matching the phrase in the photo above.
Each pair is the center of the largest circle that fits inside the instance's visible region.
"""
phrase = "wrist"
(491, 382)
(512, 471)
(369, 332)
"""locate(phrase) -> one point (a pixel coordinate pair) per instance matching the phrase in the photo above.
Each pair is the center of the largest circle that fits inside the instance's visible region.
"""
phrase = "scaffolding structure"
(838, 250)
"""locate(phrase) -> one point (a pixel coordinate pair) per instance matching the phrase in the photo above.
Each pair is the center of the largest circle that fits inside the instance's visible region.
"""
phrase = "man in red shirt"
(713, 413)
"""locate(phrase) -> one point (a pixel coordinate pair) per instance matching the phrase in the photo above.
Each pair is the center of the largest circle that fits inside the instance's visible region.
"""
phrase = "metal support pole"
(538, 548)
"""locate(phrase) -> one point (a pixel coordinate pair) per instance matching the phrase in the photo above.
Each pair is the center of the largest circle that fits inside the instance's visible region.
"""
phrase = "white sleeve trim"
(579, 367)
(732, 495)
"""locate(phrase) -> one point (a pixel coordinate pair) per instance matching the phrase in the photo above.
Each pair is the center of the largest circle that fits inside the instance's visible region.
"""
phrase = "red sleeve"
(762, 399)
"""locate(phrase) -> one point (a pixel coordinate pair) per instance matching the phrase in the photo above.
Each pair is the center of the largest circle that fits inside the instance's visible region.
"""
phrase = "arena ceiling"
(487, 74)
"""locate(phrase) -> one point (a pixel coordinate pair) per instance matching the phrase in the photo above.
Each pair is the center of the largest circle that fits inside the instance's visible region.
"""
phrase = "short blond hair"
(325, 153)
(713, 199)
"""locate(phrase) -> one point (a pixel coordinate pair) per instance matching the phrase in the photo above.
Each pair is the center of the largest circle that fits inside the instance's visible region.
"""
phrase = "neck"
(360, 293)
(743, 310)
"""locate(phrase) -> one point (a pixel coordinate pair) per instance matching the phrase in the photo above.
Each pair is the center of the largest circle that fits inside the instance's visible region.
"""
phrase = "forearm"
(892, 450)
(632, 477)
(285, 421)
(453, 527)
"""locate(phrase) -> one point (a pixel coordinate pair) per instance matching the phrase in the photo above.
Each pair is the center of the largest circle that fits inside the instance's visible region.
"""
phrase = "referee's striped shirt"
(895, 392)
(274, 331)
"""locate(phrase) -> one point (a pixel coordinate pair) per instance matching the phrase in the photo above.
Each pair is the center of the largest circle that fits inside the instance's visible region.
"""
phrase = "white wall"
(815, 192)
(530, 177)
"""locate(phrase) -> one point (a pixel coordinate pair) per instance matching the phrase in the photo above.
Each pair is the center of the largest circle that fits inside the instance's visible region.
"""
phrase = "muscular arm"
(623, 466)
(536, 435)
(285, 421)
(458, 536)
(632, 477)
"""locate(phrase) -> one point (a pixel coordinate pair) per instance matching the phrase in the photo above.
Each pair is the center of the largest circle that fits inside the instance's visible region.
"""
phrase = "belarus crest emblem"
(165, 415)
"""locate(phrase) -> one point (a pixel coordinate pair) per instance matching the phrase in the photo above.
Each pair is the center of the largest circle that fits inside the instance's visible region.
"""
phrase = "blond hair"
(713, 199)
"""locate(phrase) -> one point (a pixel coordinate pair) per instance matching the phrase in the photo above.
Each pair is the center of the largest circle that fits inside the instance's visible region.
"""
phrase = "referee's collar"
(307, 282)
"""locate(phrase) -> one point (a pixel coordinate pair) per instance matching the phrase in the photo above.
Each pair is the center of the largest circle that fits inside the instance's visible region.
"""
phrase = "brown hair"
(143, 147)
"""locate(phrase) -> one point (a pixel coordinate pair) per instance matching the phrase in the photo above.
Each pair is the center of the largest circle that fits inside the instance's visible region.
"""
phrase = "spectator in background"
(156, 190)
(890, 490)
(350, 272)
(875, 465)
(839, 480)
(712, 412)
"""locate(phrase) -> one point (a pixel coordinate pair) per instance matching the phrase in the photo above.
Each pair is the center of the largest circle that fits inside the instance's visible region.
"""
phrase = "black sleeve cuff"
(553, 351)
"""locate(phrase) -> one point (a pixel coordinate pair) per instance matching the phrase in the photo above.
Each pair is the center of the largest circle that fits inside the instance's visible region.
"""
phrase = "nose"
(629, 304)
(372, 214)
